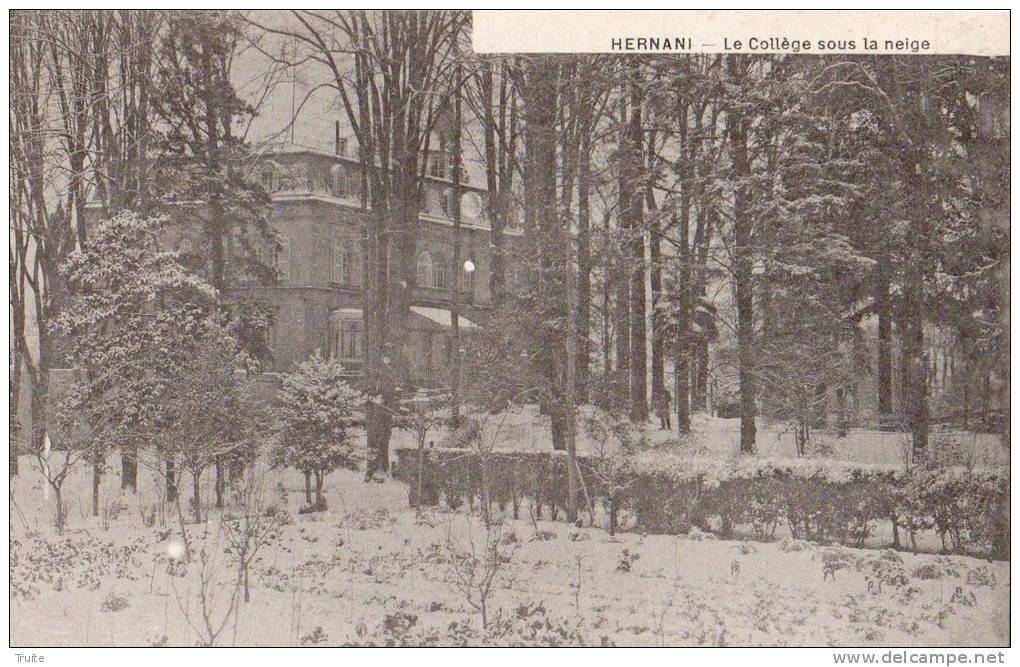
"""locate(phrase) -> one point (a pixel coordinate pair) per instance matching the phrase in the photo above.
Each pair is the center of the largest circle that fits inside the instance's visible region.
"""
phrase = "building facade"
(319, 259)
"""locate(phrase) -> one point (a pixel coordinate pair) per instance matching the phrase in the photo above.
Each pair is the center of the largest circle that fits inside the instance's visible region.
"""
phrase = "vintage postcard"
(441, 328)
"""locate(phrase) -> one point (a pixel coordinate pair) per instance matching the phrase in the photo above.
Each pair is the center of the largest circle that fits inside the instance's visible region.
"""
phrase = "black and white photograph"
(438, 328)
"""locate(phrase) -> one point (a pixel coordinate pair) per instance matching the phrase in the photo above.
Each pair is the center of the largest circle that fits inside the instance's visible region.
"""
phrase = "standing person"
(662, 402)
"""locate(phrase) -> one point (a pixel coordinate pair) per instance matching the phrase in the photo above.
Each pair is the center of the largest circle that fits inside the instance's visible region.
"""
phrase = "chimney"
(336, 144)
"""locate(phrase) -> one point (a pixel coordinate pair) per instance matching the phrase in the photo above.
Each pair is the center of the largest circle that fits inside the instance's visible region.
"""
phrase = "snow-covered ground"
(525, 429)
(370, 571)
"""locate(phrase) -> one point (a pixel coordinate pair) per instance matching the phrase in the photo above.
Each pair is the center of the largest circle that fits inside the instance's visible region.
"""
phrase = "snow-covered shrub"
(981, 576)
(114, 603)
(788, 545)
(939, 568)
(882, 571)
(820, 500)
(834, 560)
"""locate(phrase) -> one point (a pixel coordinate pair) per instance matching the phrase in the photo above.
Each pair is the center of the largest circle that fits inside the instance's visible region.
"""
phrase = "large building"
(318, 297)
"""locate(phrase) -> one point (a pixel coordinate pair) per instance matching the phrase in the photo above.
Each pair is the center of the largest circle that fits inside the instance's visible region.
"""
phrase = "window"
(339, 181)
(446, 203)
(464, 280)
(281, 258)
(434, 271)
(471, 206)
(185, 247)
(345, 262)
(268, 178)
(440, 273)
(347, 340)
(424, 270)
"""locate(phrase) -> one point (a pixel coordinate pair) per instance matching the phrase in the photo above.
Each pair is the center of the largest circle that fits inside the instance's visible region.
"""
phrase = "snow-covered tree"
(128, 299)
(203, 411)
(318, 409)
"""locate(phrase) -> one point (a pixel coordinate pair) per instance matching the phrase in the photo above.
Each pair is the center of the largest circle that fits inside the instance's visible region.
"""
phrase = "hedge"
(816, 499)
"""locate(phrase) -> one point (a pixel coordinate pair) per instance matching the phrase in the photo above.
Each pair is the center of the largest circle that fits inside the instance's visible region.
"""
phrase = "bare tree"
(389, 70)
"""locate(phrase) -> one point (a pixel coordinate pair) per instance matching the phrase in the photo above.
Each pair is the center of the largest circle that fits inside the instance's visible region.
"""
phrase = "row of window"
(345, 182)
(432, 269)
(279, 257)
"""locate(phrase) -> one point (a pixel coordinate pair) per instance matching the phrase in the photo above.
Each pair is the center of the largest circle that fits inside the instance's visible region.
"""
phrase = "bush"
(821, 500)
(114, 603)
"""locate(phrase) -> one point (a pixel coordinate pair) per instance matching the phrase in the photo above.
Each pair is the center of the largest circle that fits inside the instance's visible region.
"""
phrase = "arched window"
(185, 247)
(281, 258)
(424, 270)
(267, 178)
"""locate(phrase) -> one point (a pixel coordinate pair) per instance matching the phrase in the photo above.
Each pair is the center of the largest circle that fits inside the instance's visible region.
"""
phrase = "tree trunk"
(129, 467)
(738, 127)
(682, 390)
(655, 280)
(61, 516)
(97, 477)
(196, 496)
(658, 326)
(319, 479)
(621, 275)
(584, 263)
(841, 416)
(699, 388)
(542, 232)
(308, 487)
(904, 361)
(171, 480)
(457, 269)
(883, 308)
(569, 166)
(419, 474)
(220, 483)
(247, 593)
(681, 338)
(638, 331)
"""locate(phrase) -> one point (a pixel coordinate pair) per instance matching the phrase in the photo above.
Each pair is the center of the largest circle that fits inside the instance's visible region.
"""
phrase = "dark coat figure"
(662, 402)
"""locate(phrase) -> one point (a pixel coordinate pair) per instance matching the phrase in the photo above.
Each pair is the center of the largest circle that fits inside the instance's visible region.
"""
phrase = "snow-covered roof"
(441, 316)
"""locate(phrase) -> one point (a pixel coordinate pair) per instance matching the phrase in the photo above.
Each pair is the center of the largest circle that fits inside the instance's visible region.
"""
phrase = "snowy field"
(369, 571)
